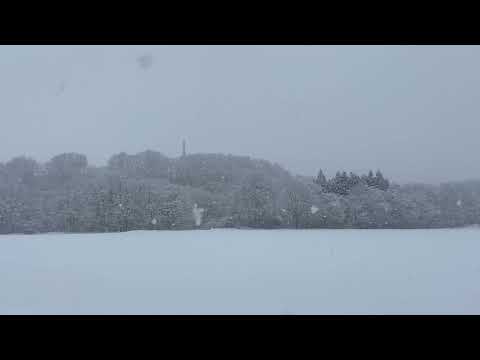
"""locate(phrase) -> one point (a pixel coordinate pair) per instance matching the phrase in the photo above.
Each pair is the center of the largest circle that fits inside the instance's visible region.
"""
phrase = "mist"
(409, 110)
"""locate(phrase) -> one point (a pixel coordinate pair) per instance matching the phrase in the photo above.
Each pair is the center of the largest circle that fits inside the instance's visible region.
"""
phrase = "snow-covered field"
(242, 272)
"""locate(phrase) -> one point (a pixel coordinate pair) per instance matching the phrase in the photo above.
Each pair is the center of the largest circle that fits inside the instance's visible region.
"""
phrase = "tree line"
(149, 191)
(342, 183)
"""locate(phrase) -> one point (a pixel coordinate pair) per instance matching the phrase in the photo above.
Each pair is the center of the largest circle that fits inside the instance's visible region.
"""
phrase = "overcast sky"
(412, 111)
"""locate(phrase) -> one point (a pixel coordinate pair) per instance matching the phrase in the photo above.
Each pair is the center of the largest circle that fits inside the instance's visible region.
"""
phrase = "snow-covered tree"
(320, 179)
(65, 167)
(254, 203)
(21, 170)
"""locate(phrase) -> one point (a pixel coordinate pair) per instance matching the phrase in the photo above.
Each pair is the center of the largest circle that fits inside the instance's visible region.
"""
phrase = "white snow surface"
(242, 272)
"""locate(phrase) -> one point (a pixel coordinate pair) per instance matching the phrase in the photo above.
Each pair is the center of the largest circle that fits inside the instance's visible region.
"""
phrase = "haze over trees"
(151, 191)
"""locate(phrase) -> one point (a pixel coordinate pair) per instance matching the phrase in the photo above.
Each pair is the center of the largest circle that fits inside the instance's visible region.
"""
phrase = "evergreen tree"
(320, 179)
(369, 179)
(380, 182)
(353, 180)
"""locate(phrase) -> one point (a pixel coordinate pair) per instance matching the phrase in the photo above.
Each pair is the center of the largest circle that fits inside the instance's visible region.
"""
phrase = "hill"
(149, 190)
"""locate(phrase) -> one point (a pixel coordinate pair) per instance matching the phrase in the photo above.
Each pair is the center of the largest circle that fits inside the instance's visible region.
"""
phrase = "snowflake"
(145, 61)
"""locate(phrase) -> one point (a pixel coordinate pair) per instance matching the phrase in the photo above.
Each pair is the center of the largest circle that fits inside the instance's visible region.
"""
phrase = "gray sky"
(412, 111)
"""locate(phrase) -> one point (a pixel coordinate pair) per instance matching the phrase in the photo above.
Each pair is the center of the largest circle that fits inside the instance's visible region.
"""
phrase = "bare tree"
(298, 202)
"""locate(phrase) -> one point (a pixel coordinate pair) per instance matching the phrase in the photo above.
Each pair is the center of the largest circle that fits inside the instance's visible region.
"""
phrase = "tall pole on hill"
(183, 149)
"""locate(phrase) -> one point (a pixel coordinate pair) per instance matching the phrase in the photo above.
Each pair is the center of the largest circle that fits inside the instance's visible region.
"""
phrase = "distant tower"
(183, 149)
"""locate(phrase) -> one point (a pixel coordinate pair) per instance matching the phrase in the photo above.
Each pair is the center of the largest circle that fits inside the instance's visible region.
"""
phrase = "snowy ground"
(242, 272)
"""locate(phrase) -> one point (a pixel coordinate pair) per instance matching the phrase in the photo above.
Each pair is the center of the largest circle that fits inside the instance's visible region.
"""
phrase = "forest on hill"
(149, 191)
